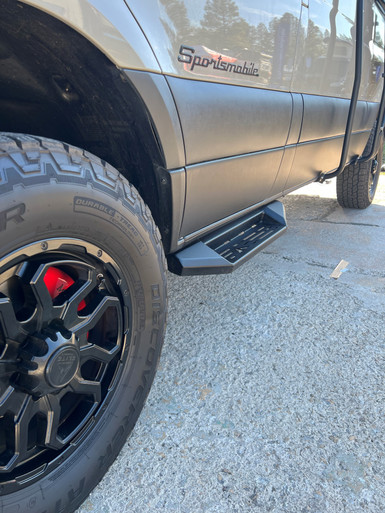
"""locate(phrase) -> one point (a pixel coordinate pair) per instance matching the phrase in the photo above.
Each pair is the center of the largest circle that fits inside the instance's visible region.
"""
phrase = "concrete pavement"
(270, 393)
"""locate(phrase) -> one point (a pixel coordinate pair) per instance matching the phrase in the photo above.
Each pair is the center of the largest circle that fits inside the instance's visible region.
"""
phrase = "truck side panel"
(325, 73)
(248, 82)
(248, 60)
(230, 79)
(108, 25)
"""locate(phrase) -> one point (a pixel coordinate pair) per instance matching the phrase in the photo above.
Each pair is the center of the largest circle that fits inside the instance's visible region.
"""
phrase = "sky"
(257, 11)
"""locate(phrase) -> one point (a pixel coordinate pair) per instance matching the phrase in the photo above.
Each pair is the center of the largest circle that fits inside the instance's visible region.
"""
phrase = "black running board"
(228, 248)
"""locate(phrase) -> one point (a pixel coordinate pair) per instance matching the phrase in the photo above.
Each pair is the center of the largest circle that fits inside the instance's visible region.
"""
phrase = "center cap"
(62, 366)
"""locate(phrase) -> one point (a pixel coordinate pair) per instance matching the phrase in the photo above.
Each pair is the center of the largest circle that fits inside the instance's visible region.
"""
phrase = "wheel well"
(55, 83)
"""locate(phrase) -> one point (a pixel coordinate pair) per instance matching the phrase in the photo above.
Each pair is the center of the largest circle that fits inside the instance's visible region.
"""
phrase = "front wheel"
(82, 316)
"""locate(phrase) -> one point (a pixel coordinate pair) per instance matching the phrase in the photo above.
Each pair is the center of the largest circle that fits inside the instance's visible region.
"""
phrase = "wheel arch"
(55, 83)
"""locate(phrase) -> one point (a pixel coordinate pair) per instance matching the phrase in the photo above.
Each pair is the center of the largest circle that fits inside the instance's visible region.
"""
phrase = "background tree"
(180, 31)
(223, 29)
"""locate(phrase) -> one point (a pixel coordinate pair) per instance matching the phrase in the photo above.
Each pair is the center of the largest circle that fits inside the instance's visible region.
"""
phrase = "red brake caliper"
(57, 282)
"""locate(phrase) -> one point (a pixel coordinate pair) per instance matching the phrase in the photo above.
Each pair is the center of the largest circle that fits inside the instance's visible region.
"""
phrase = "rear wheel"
(357, 184)
(82, 316)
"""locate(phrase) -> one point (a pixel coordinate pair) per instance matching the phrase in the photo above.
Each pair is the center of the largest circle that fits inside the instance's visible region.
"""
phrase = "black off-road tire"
(64, 209)
(357, 184)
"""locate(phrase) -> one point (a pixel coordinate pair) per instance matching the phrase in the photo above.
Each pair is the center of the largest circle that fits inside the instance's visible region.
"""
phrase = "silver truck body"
(282, 84)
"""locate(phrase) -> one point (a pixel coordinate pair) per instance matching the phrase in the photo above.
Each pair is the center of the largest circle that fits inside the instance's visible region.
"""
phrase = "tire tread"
(352, 186)
(68, 160)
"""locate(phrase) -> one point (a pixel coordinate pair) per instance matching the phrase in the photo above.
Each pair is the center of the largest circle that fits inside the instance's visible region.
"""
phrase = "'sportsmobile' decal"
(216, 61)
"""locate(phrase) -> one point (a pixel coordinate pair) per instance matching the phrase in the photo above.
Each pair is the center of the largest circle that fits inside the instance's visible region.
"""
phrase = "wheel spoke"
(11, 326)
(70, 315)
(11, 402)
(24, 273)
(21, 431)
(85, 387)
(89, 321)
(53, 419)
(94, 352)
(47, 310)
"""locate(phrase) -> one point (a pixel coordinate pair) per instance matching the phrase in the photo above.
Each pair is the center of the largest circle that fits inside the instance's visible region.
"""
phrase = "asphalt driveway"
(270, 395)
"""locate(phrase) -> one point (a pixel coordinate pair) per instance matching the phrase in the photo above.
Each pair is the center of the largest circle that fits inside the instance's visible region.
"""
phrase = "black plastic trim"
(156, 95)
(356, 89)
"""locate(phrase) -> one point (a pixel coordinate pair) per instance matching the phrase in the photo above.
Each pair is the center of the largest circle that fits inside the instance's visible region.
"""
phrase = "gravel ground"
(270, 392)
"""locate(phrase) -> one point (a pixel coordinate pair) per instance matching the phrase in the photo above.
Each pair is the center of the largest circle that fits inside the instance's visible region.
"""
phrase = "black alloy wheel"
(64, 321)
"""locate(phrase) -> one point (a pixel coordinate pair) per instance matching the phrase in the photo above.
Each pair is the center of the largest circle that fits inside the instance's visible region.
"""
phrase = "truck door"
(229, 65)
(324, 75)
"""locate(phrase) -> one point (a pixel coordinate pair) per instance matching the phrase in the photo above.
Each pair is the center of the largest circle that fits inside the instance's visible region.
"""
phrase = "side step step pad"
(228, 248)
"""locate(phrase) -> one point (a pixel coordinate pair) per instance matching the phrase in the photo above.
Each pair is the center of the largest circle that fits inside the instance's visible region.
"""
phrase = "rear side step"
(228, 248)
